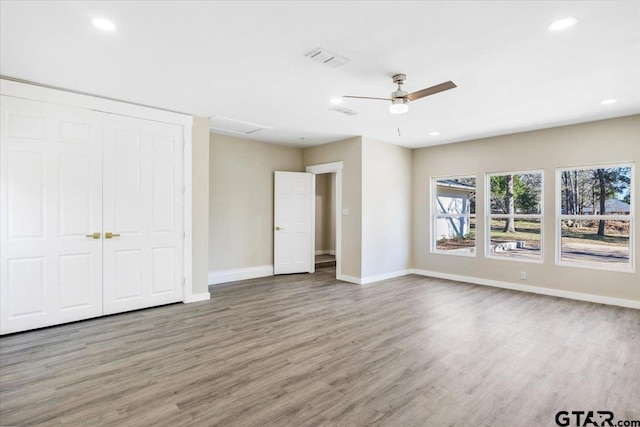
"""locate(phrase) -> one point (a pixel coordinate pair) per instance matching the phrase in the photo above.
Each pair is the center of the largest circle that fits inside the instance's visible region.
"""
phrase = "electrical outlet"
(523, 275)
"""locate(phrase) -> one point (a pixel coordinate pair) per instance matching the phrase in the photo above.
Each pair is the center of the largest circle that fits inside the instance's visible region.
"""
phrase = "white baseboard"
(533, 289)
(325, 252)
(386, 276)
(203, 296)
(349, 279)
(372, 279)
(225, 276)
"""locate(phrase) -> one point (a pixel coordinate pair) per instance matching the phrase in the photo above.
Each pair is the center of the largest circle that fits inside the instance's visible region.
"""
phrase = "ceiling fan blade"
(431, 90)
(367, 97)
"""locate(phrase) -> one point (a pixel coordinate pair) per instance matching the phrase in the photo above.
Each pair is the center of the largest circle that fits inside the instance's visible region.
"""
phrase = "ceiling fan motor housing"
(399, 94)
(399, 79)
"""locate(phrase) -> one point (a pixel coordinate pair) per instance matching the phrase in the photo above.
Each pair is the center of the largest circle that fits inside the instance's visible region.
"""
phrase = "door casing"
(336, 168)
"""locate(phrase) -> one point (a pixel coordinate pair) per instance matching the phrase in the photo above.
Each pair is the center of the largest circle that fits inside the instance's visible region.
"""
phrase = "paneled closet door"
(50, 206)
(143, 202)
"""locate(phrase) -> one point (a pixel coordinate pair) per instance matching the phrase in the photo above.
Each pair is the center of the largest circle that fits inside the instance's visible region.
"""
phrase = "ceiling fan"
(400, 98)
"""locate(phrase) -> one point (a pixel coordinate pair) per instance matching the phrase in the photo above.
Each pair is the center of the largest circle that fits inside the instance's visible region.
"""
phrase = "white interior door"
(143, 199)
(50, 200)
(293, 213)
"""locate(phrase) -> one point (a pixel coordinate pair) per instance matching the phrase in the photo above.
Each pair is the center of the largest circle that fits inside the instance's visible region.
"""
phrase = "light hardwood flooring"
(306, 350)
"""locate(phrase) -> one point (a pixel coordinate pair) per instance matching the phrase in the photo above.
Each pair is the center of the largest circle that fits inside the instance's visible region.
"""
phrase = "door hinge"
(183, 189)
(184, 235)
(184, 281)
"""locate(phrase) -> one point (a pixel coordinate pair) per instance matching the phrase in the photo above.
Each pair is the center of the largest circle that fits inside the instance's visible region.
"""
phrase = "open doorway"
(325, 221)
(330, 227)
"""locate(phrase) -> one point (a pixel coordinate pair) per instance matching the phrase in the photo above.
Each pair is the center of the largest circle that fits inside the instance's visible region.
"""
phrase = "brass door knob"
(109, 235)
(93, 236)
(279, 228)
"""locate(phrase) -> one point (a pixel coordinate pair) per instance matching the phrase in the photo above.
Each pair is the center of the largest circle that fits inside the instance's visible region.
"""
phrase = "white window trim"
(488, 215)
(560, 217)
(434, 215)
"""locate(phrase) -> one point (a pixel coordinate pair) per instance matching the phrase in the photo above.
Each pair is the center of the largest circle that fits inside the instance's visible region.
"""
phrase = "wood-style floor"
(325, 260)
(306, 350)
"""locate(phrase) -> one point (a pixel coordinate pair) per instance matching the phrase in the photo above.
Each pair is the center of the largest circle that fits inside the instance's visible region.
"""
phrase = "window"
(595, 221)
(453, 215)
(514, 216)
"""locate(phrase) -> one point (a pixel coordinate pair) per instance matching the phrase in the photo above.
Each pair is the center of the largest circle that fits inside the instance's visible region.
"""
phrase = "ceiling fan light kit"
(399, 106)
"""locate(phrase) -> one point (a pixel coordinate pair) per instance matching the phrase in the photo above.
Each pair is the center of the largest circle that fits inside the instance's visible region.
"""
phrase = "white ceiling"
(246, 61)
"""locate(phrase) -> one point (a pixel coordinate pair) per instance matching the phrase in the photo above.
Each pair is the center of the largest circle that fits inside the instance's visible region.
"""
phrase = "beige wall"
(241, 200)
(615, 140)
(200, 204)
(330, 214)
(386, 192)
(386, 208)
(349, 152)
(324, 221)
(320, 207)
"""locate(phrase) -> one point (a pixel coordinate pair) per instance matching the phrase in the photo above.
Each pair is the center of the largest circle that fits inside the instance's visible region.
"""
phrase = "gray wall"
(241, 200)
(349, 152)
(615, 140)
(200, 204)
(386, 208)
(325, 215)
(386, 191)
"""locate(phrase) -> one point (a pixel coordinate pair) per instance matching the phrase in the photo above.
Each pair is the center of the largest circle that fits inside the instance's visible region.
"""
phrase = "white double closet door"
(68, 178)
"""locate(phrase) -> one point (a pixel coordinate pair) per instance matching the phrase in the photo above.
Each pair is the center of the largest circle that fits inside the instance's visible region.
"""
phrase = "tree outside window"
(596, 216)
(514, 220)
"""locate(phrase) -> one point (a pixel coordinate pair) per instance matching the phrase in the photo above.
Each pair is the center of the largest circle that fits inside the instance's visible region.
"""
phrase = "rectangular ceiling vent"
(343, 110)
(327, 57)
(239, 127)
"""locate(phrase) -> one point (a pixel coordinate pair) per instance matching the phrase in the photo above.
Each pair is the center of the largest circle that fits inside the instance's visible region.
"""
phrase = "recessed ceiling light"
(103, 24)
(336, 101)
(434, 133)
(608, 101)
(562, 24)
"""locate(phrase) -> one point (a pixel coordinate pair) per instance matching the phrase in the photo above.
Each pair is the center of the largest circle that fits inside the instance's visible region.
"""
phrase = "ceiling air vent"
(343, 110)
(226, 124)
(327, 57)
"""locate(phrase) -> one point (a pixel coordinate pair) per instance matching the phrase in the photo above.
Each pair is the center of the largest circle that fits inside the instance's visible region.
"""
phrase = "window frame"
(433, 244)
(559, 217)
(489, 216)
